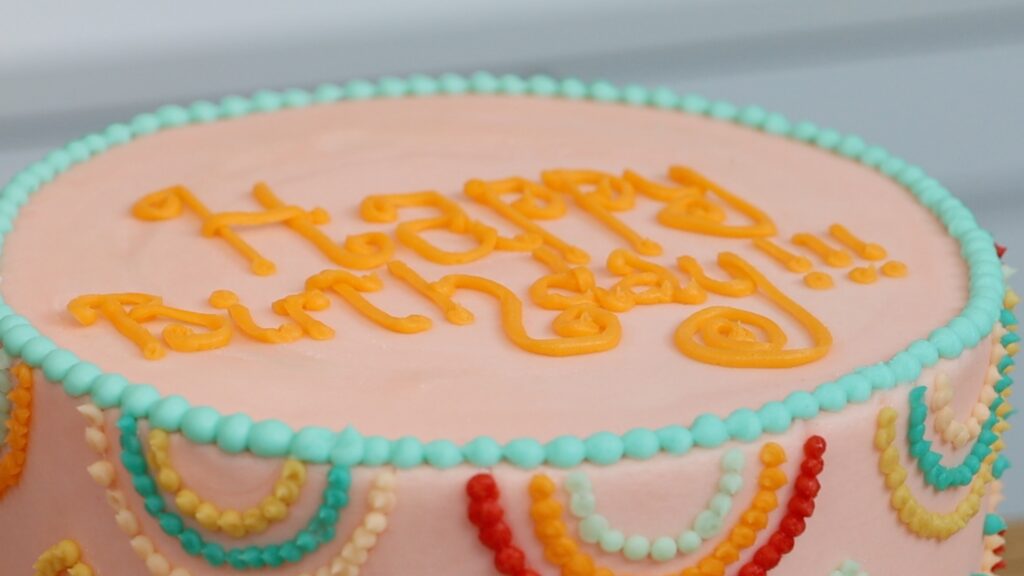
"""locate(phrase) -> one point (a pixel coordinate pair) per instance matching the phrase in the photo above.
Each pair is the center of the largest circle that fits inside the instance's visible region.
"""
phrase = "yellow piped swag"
(587, 308)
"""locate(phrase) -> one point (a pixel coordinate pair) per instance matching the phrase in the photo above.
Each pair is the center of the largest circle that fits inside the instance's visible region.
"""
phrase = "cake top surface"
(79, 236)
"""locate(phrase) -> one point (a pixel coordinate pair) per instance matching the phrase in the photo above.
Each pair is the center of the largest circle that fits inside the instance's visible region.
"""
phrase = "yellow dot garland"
(560, 549)
(64, 557)
(350, 559)
(235, 523)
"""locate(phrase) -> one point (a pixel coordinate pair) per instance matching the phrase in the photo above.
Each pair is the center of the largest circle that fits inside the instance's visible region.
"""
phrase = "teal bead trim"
(319, 531)
(929, 462)
(994, 524)
(594, 528)
(236, 433)
(849, 568)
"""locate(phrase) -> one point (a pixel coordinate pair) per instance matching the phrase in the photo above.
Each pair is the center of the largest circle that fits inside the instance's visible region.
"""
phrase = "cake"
(494, 325)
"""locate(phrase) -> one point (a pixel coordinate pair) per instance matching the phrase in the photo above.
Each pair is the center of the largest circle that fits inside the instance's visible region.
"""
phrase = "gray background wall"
(937, 81)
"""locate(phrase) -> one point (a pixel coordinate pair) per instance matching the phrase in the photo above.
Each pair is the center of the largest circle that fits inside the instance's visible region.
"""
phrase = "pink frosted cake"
(492, 325)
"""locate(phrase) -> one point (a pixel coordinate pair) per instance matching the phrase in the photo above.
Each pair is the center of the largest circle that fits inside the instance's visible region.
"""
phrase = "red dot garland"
(486, 513)
(798, 509)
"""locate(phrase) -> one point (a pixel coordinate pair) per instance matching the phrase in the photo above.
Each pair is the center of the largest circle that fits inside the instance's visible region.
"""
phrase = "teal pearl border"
(272, 438)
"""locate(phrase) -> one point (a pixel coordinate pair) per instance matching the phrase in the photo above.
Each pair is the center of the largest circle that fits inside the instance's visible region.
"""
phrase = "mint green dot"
(542, 85)
(80, 380)
(235, 106)
(15, 338)
(663, 549)
(857, 387)
(137, 399)
(360, 89)
(709, 431)
(573, 89)
(392, 87)
(694, 104)
(604, 448)
(744, 425)
(593, 528)
(689, 541)
(36, 349)
(267, 100)
(635, 95)
(512, 84)
(108, 389)
(612, 541)
(327, 93)
(730, 483)
(675, 439)
(775, 417)
(805, 131)
(723, 110)
(707, 524)
(582, 504)
(453, 84)
(296, 98)
(733, 460)
(204, 111)
(640, 443)
(483, 82)
(636, 547)
(664, 98)
(376, 450)
(720, 504)
(577, 481)
(831, 396)
(422, 85)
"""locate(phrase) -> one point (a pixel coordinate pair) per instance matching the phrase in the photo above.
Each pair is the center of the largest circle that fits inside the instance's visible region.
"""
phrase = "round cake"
(473, 325)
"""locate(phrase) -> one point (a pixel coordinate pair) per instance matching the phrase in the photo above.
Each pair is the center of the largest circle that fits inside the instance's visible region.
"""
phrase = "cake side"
(859, 420)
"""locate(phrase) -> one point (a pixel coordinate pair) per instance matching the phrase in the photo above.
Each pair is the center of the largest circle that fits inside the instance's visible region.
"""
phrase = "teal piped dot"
(636, 547)
(482, 451)
(857, 387)
(805, 131)
(267, 100)
(675, 439)
(880, 376)
(172, 116)
(635, 95)
(453, 84)
(406, 452)
(663, 549)
(328, 93)
(733, 460)
(604, 448)
(442, 454)
(10, 321)
(709, 431)
(200, 424)
(946, 342)
(43, 171)
(851, 146)
(664, 98)
(966, 331)
(171, 524)
(137, 399)
(640, 443)
(483, 82)
(214, 554)
(36, 349)
(777, 124)
(994, 524)
(925, 352)
(892, 165)
(348, 449)
(512, 84)
(81, 378)
(233, 433)
(145, 123)
(723, 110)
(831, 397)
(603, 91)
(744, 425)
(775, 417)
(191, 542)
(78, 151)
(297, 98)
(542, 85)
(168, 412)
(905, 367)
(422, 85)
(694, 104)
(235, 106)
(612, 541)
(392, 87)
(873, 156)
(360, 89)
(204, 112)
(565, 452)
(827, 139)
(59, 160)
(752, 116)
(313, 444)
(16, 338)
(573, 89)
(524, 452)
(108, 390)
(376, 450)
(270, 439)
(689, 541)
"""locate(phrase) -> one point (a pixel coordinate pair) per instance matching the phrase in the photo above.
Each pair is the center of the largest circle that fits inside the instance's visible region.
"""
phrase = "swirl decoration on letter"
(732, 337)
